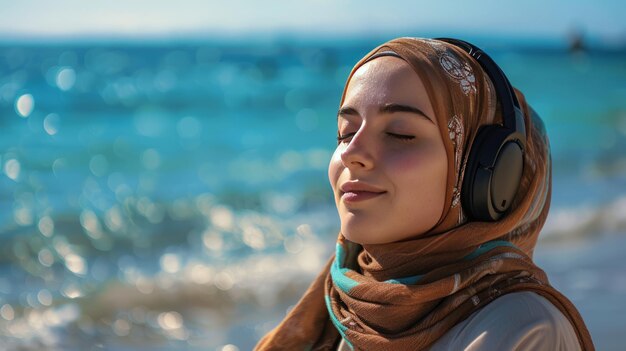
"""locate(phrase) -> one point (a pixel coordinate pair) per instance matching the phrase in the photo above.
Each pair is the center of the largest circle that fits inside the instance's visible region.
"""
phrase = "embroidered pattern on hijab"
(406, 295)
(460, 71)
(456, 134)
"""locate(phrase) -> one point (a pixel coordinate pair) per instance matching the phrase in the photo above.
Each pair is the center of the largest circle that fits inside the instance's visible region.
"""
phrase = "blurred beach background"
(163, 166)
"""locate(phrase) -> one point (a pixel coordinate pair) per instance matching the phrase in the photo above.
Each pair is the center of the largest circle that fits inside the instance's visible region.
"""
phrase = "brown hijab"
(406, 295)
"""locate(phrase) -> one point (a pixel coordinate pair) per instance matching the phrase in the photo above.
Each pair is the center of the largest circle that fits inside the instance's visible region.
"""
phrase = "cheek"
(334, 168)
(406, 164)
(419, 170)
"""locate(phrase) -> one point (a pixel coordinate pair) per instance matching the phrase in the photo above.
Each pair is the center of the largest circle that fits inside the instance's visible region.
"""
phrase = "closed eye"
(344, 137)
(401, 136)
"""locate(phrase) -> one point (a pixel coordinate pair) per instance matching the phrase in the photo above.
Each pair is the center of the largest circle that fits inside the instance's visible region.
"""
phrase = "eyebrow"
(386, 108)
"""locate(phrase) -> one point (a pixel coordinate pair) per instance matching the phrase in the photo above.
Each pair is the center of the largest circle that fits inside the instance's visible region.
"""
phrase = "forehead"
(386, 79)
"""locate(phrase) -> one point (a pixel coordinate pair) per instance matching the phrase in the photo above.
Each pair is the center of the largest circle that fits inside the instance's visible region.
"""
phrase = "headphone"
(496, 160)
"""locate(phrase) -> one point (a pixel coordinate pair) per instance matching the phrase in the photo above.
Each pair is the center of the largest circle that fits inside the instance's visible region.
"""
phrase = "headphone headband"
(511, 111)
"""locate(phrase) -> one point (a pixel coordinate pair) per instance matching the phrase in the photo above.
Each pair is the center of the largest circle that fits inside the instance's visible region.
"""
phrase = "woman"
(425, 260)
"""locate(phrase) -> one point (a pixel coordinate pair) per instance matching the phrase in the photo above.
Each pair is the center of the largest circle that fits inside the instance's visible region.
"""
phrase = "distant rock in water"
(576, 42)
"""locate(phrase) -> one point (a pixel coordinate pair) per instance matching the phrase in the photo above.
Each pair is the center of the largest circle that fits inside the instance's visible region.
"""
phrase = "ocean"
(174, 195)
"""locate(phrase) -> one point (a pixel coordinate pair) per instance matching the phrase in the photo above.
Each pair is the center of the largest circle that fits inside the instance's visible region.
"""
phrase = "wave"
(585, 221)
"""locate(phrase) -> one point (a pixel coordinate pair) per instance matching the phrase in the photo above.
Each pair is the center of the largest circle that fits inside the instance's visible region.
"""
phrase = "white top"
(517, 321)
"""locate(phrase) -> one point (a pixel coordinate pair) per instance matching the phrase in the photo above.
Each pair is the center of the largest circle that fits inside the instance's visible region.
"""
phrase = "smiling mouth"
(354, 196)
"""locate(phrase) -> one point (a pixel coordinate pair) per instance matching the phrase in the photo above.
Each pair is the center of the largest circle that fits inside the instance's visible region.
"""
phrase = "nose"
(358, 153)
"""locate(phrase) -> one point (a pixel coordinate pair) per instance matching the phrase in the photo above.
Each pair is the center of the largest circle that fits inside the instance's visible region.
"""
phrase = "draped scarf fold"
(405, 295)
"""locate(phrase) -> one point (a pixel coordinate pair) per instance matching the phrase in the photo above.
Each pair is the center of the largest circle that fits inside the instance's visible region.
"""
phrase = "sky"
(180, 18)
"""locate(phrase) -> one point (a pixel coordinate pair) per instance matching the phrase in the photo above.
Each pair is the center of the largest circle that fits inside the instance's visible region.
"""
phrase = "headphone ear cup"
(492, 174)
(507, 175)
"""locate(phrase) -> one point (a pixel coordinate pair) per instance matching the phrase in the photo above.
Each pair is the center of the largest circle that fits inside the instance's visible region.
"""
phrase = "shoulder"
(515, 321)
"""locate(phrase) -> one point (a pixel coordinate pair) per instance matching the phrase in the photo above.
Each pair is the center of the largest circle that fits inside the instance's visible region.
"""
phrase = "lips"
(352, 191)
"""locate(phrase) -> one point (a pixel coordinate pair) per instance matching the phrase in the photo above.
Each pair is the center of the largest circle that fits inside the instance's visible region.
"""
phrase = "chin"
(361, 236)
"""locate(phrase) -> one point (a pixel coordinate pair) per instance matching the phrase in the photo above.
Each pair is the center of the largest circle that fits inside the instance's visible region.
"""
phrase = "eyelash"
(402, 137)
(341, 138)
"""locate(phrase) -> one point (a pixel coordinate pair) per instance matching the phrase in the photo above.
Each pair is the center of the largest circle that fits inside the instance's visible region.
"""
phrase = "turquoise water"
(175, 195)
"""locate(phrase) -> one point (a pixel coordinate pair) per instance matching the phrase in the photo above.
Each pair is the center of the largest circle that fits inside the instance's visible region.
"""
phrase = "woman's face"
(389, 170)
